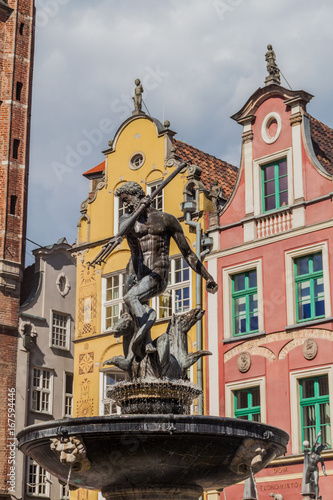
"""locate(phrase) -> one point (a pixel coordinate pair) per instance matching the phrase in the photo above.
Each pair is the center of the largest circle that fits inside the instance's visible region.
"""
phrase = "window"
(21, 29)
(60, 332)
(274, 185)
(119, 210)
(16, 144)
(311, 411)
(243, 299)
(64, 492)
(108, 406)
(158, 200)
(68, 403)
(42, 390)
(13, 200)
(247, 404)
(19, 87)
(38, 480)
(307, 284)
(245, 302)
(315, 409)
(136, 161)
(246, 399)
(113, 292)
(62, 284)
(177, 297)
(309, 281)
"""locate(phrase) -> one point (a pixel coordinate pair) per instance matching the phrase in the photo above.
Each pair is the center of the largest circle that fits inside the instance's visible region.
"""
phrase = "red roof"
(322, 140)
(212, 168)
(95, 170)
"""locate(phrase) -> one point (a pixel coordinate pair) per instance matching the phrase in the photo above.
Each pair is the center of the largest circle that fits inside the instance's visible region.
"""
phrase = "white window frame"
(116, 217)
(67, 395)
(42, 390)
(295, 408)
(68, 330)
(173, 287)
(106, 303)
(228, 273)
(290, 280)
(257, 168)
(230, 390)
(63, 493)
(33, 486)
(103, 399)
(150, 185)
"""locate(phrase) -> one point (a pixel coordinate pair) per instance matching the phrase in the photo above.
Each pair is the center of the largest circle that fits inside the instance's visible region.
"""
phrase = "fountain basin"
(133, 453)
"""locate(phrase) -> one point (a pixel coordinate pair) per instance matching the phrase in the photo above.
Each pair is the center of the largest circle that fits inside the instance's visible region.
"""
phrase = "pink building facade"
(272, 259)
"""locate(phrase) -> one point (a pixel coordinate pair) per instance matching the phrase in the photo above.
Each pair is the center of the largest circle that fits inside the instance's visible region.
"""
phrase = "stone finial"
(272, 67)
(167, 124)
(137, 98)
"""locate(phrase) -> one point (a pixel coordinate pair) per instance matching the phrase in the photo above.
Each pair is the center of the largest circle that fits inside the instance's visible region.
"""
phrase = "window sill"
(246, 336)
(65, 349)
(42, 413)
(297, 326)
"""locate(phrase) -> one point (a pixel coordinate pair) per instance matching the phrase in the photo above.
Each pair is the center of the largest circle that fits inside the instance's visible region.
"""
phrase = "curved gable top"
(161, 129)
(264, 93)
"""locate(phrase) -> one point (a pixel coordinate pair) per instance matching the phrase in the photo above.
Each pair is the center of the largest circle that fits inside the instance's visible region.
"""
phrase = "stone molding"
(293, 339)
(296, 119)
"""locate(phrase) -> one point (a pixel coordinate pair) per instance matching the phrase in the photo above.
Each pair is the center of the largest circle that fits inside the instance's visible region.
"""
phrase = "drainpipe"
(188, 207)
(198, 300)
(205, 242)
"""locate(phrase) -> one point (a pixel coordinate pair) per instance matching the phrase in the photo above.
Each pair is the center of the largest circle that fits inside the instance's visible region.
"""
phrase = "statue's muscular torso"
(149, 242)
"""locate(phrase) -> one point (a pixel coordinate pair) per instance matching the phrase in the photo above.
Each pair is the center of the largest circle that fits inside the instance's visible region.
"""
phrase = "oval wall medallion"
(310, 349)
(244, 362)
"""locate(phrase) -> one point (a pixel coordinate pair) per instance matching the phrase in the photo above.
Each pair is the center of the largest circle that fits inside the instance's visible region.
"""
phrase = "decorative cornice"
(247, 136)
(296, 119)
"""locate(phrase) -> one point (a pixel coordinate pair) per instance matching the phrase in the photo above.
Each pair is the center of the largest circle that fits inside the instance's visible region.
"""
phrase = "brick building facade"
(16, 63)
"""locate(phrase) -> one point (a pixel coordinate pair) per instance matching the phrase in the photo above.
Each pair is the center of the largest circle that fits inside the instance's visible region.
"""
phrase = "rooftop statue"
(272, 67)
(138, 96)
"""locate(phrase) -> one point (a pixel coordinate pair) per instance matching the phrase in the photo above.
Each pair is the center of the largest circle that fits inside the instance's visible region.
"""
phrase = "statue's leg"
(144, 315)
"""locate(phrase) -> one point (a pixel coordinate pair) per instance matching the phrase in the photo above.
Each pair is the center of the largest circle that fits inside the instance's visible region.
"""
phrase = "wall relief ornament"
(310, 349)
(244, 362)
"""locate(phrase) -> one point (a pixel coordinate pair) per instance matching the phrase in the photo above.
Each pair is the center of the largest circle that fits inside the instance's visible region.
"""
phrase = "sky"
(198, 60)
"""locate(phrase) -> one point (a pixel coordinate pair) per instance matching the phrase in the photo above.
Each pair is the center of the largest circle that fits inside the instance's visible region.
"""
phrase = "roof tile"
(322, 140)
(212, 168)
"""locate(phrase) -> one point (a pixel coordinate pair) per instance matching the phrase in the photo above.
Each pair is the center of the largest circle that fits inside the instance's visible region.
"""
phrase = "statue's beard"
(132, 206)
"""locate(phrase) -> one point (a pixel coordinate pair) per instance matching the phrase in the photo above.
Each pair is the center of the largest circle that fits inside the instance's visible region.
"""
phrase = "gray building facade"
(45, 357)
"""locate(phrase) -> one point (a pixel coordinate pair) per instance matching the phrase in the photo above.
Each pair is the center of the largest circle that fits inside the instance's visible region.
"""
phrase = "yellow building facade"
(145, 151)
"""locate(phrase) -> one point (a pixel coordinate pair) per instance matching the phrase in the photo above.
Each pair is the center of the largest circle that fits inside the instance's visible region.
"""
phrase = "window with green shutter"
(247, 404)
(245, 302)
(315, 409)
(274, 180)
(309, 281)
